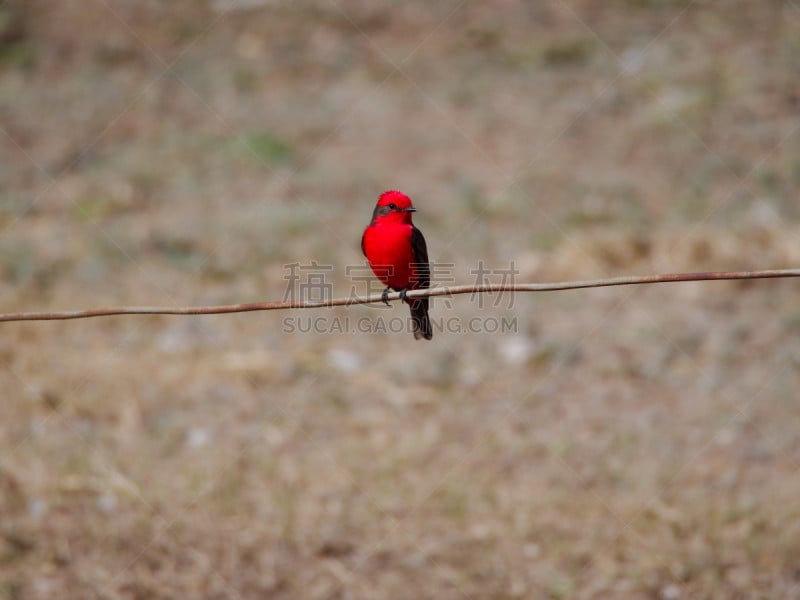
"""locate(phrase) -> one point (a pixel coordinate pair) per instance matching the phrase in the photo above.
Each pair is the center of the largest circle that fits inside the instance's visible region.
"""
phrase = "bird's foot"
(385, 296)
(403, 293)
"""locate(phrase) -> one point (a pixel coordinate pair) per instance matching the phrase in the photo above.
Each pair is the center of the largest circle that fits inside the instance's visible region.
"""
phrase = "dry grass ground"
(623, 443)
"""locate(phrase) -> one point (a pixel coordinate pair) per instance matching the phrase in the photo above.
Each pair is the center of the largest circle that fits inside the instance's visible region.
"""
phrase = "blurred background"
(614, 443)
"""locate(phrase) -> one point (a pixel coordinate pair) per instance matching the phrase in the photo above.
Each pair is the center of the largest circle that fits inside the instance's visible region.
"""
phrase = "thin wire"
(421, 293)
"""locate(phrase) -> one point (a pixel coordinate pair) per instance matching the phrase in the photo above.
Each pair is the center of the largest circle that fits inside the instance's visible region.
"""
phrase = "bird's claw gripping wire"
(385, 295)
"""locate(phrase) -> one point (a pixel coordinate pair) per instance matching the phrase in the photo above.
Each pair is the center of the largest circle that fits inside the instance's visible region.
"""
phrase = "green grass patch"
(18, 261)
(20, 56)
(792, 321)
(263, 148)
(564, 53)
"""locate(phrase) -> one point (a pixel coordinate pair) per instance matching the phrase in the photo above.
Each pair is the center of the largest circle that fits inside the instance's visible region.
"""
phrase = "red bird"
(397, 253)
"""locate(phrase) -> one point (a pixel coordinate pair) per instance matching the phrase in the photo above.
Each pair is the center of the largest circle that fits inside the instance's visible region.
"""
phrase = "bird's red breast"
(387, 247)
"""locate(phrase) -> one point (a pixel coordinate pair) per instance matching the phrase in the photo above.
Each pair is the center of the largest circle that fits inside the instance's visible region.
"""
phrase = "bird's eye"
(393, 206)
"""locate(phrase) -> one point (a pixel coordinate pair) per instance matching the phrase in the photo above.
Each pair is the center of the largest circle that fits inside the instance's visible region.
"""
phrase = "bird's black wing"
(422, 274)
(420, 250)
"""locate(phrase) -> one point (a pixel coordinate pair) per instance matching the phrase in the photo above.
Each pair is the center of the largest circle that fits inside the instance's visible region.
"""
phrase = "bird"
(397, 253)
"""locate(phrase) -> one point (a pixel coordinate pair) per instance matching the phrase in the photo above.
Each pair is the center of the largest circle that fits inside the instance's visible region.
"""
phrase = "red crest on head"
(394, 197)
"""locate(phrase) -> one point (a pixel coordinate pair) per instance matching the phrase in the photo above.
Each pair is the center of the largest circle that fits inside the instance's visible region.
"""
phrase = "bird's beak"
(410, 209)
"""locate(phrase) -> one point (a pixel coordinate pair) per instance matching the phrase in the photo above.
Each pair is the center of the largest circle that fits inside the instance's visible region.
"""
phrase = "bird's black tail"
(419, 319)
